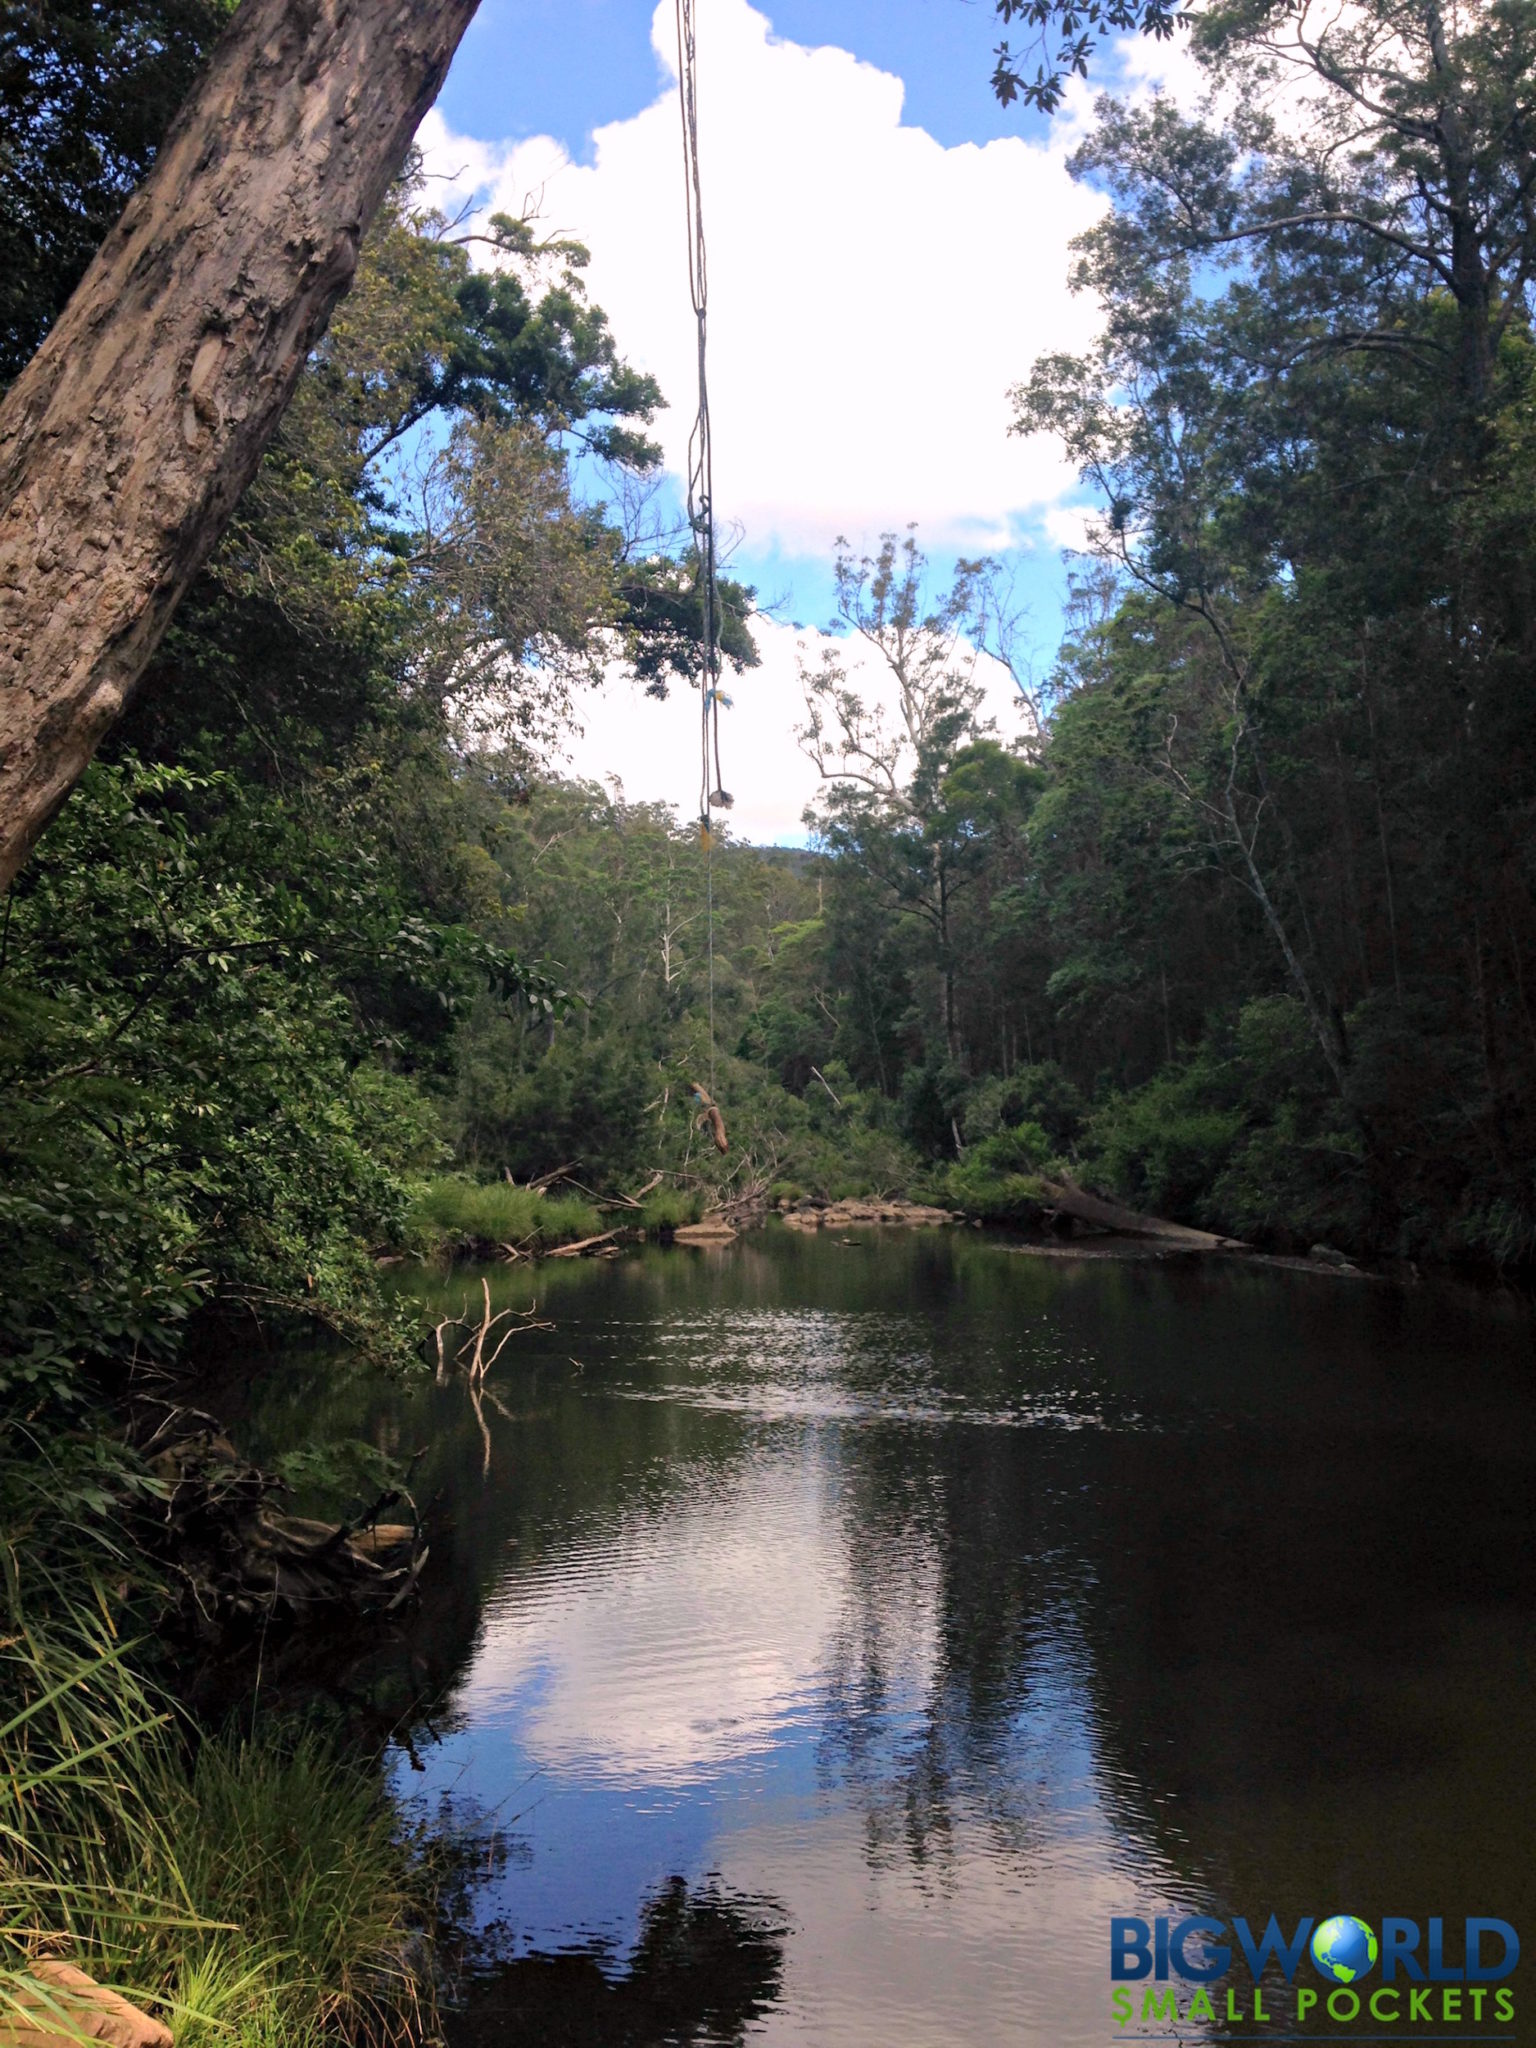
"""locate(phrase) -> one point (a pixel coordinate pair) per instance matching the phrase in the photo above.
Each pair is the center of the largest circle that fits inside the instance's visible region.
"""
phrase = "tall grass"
(669, 1207)
(458, 1215)
(300, 1853)
(255, 1890)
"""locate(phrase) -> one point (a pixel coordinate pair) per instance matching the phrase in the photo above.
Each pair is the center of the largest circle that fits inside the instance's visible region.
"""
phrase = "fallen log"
(582, 1244)
(1071, 1200)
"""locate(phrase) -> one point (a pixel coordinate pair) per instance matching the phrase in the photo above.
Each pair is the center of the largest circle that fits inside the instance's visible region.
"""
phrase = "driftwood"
(1070, 1200)
(239, 1561)
(479, 1365)
(874, 1209)
(709, 1113)
(582, 1244)
(68, 2006)
(637, 1199)
(545, 1180)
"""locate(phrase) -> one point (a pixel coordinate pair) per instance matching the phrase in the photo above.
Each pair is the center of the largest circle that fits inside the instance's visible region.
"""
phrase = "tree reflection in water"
(705, 1967)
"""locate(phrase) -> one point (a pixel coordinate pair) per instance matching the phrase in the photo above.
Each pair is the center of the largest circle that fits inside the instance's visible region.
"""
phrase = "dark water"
(835, 1635)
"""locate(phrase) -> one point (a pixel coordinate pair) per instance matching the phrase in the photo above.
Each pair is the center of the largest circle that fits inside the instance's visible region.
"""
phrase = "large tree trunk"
(127, 440)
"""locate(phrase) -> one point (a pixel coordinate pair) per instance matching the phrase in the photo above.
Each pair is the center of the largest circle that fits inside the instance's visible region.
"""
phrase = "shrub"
(998, 1180)
(1246, 1136)
(1039, 1095)
(1289, 1184)
(1161, 1147)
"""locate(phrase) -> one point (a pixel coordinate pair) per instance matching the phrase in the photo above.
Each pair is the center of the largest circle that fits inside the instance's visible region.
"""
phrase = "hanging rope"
(701, 485)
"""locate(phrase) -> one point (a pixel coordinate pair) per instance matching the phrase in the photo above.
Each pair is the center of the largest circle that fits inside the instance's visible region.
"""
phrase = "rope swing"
(701, 474)
(701, 519)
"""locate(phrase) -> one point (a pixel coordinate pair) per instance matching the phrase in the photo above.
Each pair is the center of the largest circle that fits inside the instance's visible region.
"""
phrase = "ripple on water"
(862, 1366)
(861, 1654)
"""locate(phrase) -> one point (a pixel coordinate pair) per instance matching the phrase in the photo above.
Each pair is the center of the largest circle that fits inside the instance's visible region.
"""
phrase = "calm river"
(834, 1635)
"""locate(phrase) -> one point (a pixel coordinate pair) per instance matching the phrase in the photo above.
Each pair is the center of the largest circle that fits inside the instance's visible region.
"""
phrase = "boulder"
(70, 2004)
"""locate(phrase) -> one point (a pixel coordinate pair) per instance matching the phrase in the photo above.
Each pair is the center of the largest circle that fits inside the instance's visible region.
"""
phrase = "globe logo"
(1344, 1948)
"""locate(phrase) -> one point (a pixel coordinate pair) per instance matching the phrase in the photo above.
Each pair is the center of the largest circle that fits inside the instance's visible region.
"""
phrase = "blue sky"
(564, 67)
(888, 254)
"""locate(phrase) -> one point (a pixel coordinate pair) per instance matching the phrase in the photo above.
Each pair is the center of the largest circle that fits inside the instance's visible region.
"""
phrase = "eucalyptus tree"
(884, 764)
(127, 440)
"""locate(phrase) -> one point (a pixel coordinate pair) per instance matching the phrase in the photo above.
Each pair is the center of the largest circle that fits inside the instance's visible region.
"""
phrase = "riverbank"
(254, 1886)
(457, 1219)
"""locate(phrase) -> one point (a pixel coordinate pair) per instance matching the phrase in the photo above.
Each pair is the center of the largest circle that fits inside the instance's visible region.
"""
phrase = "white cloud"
(653, 748)
(872, 293)
(630, 1663)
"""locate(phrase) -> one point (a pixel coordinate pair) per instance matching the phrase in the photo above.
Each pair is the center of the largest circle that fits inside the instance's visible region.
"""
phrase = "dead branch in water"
(518, 1321)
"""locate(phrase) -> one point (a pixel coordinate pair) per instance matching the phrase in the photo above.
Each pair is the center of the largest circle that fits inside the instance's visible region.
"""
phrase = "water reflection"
(955, 1601)
(704, 1968)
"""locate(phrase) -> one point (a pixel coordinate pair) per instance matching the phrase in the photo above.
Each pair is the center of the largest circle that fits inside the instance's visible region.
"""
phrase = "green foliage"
(458, 1215)
(1042, 1095)
(86, 89)
(533, 1101)
(1066, 34)
(668, 1207)
(1245, 1136)
(193, 1108)
(998, 1179)
(1160, 1146)
(932, 1097)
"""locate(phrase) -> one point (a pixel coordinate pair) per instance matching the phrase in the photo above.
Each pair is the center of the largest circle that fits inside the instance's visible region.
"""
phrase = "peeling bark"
(126, 442)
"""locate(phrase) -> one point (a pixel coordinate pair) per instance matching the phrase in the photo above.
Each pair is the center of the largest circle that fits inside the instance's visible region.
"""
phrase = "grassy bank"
(669, 1208)
(457, 1216)
(251, 1888)
(453, 1215)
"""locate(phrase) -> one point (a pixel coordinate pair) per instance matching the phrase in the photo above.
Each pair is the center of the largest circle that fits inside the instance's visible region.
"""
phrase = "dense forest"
(1243, 930)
